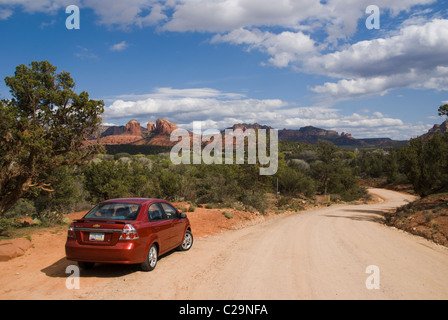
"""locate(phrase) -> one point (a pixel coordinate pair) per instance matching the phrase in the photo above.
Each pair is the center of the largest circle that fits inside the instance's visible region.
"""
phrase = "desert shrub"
(425, 164)
(48, 218)
(293, 182)
(192, 207)
(300, 164)
(67, 193)
(255, 199)
(227, 214)
(22, 208)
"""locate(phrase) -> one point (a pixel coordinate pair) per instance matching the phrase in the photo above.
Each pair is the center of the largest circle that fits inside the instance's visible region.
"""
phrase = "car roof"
(133, 200)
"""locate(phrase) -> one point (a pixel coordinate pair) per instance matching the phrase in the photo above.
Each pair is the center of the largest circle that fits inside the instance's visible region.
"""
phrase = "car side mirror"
(183, 215)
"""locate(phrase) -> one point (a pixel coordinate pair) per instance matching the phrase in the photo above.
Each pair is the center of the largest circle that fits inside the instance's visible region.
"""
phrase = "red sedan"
(128, 231)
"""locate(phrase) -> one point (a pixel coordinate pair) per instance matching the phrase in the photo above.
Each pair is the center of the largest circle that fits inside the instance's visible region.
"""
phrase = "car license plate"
(96, 237)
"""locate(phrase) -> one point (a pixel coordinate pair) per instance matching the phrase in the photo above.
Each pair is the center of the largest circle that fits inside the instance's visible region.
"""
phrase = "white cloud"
(417, 58)
(227, 15)
(338, 18)
(119, 46)
(170, 93)
(284, 48)
(122, 14)
(32, 6)
(125, 14)
(418, 46)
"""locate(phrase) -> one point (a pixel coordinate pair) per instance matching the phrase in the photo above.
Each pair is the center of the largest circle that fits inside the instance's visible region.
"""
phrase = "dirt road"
(318, 254)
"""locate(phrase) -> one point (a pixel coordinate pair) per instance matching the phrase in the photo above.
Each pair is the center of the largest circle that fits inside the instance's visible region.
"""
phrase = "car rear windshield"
(114, 211)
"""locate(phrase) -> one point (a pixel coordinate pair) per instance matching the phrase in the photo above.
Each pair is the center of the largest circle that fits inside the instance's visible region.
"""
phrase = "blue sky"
(284, 63)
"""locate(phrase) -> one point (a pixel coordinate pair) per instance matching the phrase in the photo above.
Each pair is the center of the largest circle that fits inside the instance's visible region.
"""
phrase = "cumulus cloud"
(416, 57)
(32, 6)
(122, 14)
(227, 15)
(338, 18)
(194, 108)
(284, 48)
(417, 46)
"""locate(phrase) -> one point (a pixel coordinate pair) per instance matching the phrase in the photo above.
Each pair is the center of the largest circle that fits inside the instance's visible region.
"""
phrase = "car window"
(170, 212)
(155, 213)
(114, 211)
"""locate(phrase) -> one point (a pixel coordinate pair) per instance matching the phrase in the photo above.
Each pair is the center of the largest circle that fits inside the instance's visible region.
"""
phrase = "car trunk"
(98, 232)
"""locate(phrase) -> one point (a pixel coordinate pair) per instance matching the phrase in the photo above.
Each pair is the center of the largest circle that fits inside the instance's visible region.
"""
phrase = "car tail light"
(71, 232)
(129, 233)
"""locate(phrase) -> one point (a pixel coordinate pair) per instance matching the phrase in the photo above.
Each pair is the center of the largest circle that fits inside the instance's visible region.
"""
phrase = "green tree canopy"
(42, 127)
(425, 163)
(443, 110)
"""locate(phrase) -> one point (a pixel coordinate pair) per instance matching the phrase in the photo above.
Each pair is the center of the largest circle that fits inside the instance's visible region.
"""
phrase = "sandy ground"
(317, 254)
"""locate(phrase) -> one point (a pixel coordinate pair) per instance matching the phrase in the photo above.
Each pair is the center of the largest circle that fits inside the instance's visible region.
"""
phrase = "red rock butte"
(164, 127)
(134, 128)
(134, 133)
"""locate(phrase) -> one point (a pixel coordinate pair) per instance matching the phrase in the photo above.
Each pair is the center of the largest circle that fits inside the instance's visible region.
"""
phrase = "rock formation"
(160, 133)
(164, 127)
(438, 128)
(151, 126)
(133, 128)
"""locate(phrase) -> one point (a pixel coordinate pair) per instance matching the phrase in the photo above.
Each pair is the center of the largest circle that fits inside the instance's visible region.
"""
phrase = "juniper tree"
(42, 127)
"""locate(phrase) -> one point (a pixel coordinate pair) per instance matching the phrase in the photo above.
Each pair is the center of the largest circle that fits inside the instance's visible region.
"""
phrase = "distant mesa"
(158, 134)
(245, 126)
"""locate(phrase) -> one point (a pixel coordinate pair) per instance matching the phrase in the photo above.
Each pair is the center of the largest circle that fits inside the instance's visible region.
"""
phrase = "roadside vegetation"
(317, 169)
(422, 169)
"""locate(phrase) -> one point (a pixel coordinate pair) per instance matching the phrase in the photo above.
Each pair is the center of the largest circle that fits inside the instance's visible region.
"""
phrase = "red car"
(128, 231)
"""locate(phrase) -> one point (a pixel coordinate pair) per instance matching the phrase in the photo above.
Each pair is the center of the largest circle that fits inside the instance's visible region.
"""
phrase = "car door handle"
(157, 229)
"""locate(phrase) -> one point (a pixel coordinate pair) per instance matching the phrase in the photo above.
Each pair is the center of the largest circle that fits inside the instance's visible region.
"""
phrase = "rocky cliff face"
(151, 127)
(133, 128)
(439, 128)
(133, 133)
(165, 127)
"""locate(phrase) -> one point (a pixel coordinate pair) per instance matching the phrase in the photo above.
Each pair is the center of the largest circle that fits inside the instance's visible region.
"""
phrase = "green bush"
(48, 218)
(425, 164)
(22, 208)
(227, 214)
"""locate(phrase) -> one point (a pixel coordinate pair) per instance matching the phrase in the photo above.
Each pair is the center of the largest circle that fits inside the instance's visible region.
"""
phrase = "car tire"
(86, 265)
(151, 259)
(188, 241)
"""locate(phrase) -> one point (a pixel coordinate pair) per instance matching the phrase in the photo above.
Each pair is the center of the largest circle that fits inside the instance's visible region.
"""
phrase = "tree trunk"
(8, 200)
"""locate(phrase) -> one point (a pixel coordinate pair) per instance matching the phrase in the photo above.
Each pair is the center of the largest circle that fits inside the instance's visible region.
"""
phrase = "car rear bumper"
(126, 252)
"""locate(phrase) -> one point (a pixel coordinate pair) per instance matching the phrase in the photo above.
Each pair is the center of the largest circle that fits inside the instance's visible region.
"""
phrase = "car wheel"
(86, 265)
(151, 259)
(188, 241)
